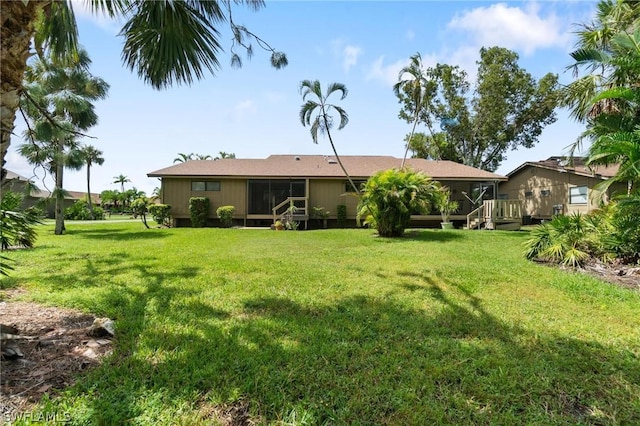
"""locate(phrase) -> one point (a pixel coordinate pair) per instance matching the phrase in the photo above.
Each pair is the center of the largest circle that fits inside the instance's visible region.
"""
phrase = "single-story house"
(261, 189)
(558, 186)
(41, 198)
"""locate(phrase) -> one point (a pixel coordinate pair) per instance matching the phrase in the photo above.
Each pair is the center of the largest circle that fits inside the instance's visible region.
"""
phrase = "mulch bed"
(55, 348)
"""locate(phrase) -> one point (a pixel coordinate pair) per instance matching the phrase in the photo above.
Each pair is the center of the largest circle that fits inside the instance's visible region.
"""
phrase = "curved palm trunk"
(333, 147)
(406, 151)
(59, 210)
(18, 19)
(89, 191)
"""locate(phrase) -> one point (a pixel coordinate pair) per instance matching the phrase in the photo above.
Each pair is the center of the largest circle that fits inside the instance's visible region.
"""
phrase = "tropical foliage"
(58, 104)
(607, 234)
(16, 227)
(607, 99)
(82, 210)
(317, 112)
(91, 156)
(507, 109)
(390, 197)
(165, 42)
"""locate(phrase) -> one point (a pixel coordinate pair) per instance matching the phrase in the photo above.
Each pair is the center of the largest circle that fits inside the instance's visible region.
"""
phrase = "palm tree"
(121, 179)
(202, 157)
(413, 91)
(595, 48)
(181, 158)
(58, 103)
(165, 42)
(91, 155)
(222, 155)
(322, 121)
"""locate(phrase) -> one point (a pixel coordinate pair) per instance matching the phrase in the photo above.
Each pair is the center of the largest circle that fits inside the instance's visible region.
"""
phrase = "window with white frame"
(578, 195)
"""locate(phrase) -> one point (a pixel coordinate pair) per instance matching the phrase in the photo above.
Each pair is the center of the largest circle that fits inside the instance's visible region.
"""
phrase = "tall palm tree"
(317, 114)
(91, 155)
(412, 86)
(165, 42)
(121, 179)
(58, 104)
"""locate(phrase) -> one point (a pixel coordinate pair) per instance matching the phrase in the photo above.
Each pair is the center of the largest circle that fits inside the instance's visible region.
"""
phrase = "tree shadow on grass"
(359, 360)
(423, 235)
(117, 234)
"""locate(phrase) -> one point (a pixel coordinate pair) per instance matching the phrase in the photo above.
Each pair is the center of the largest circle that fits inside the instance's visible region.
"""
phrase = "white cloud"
(512, 27)
(350, 56)
(82, 10)
(385, 73)
(347, 53)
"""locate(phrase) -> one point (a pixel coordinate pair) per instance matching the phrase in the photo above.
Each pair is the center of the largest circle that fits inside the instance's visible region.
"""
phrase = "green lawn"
(337, 327)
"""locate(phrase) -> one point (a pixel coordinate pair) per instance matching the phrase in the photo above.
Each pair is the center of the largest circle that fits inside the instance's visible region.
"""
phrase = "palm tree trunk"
(89, 191)
(406, 151)
(59, 230)
(18, 19)
(353, 185)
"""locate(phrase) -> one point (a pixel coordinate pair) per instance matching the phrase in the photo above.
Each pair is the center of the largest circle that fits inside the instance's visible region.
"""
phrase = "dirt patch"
(55, 348)
(626, 276)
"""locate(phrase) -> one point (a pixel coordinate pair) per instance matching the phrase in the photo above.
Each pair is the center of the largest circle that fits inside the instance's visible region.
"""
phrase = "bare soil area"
(55, 349)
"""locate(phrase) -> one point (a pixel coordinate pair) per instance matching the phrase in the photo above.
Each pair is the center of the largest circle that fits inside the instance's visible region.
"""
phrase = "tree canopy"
(478, 124)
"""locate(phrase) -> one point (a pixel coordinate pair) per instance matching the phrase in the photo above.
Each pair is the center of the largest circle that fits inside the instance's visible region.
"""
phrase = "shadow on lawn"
(423, 235)
(117, 234)
(365, 360)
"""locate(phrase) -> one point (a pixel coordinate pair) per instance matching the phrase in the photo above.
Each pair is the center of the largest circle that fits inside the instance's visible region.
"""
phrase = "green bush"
(80, 211)
(161, 213)
(18, 228)
(391, 196)
(225, 214)
(341, 215)
(199, 211)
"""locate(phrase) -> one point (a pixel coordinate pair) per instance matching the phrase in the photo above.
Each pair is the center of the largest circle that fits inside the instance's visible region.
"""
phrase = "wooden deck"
(496, 214)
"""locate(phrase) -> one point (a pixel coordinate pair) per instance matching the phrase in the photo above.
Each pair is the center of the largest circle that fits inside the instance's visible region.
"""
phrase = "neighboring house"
(41, 198)
(255, 187)
(557, 186)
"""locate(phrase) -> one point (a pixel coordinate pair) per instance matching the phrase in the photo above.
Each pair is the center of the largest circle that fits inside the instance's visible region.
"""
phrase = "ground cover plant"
(336, 327)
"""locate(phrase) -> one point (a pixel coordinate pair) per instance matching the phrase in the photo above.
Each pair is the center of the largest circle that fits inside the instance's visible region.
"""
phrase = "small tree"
(140, 207)
(161, 213)
(391, 196)
(199, 210)
(225, 214)
(445, 204)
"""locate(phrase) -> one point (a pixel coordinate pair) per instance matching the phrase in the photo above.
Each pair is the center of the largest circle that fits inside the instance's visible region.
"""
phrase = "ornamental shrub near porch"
(391, 196)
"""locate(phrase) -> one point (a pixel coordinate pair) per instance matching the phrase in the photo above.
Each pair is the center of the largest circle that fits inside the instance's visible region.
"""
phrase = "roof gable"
(562, 165)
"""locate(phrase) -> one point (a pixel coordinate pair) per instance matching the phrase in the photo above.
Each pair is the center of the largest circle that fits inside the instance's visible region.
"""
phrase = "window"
(205, 185)
(503, 196)
(578, 195)
(528, 194)
(358, 183)
(545, 192)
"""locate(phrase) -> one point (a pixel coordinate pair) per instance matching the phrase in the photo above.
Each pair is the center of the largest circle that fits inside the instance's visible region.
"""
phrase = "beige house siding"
(329, 193)
(177, 192)
(541, 189)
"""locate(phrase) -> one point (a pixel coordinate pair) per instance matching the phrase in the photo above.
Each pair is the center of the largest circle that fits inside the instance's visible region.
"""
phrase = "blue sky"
(253, 111)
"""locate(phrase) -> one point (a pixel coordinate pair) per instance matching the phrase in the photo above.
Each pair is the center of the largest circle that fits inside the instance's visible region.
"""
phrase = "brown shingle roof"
(361, 166)
(576, 165)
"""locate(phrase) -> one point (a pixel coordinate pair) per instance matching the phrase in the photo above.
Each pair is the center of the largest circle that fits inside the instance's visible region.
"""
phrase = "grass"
(337, 327)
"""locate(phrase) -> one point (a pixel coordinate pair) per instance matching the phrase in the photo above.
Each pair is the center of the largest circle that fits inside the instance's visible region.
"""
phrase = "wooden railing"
(299, 211)
(494, 211)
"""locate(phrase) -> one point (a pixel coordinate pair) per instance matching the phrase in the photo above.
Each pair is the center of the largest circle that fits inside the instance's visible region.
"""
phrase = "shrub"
(199, 211)
(17, 227)
(341, 215)
(391, 196)
(161, 213)
(225, 214)
(80, 211)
